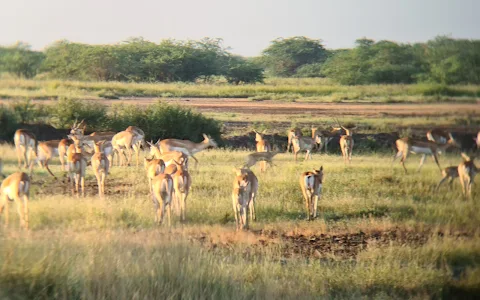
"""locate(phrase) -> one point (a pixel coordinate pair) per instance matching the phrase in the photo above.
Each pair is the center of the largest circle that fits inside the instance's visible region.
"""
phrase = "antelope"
(162, 189)
(77, 164)
(291, 134)
(181, 185)
(466, 172)
(328, 135)
(304, 143)
(185, 146)
(245, 188)
(262, 146)
(477, 140)
(153, 167)
(409, 145)
(318, 142)
(124, 140)
(78, 129)
(346, 142)
(311, 185)
(49, 149)
(25, 143)
(139, 139)
(448, 173)
(16, 187)
(438, 136)
(100, 166)
(254, 157)
(169, 157)
(1, 169)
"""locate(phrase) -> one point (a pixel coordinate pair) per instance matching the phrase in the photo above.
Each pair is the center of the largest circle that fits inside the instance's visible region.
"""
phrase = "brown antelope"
(245, 189)
(304, 144)
(262, 146)
(181, 185)
(77, 165)
(49, 149)
(16, 187)
(448, 173)
(78, 129)
(25, 144)
(153, 167)
(185, 146)
(409, 145)
(162, 189)
(100, 166)
(291, 134)
(318, 142)
(346, 142)
(438, 136)
(254, 157)
(169, 157)
(466, 172)
(311, 185)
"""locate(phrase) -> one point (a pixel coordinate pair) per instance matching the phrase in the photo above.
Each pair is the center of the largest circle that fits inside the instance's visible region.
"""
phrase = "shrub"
(66, 111)
(8, 122)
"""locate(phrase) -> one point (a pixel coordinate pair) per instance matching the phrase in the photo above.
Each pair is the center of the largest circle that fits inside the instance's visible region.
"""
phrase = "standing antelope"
(311, 185)
(16, 187)
(169, 157)
(162, 187)
(408, 145)
(318, 142)
(139, 140)
(438, 136)
(25, 143)
(466, 172)
(121, 141)
(266, 157)
(77, 165)
(291, 134)
(181, 185)
(100, 166)
(49, 149)
(304, 144)
(346, 142)
(448, 173)
(262, 146)
(153, 167)
(185, 146)
(245, 189)
(78, 129)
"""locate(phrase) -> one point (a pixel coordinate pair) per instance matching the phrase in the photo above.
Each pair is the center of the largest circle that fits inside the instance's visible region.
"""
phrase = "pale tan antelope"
(153, 167)
(438, 136)
(16, 187)
(100, 166)
(254, 157)
(25, 144)
(139, 140)
(304, 144)
(448, 173)
(181, 185)
(291, 134)
(311, 184)
(244, 194)
(162, 186)
(49, 149)
(185, 146)
(346, 142)
(409, 145)
(123, 141)
(262, 146)
(169, 157)
(466, 172)
(77, 165)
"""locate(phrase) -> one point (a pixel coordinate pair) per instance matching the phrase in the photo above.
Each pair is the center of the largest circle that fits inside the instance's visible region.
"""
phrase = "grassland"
(381, 234)
(303, 90)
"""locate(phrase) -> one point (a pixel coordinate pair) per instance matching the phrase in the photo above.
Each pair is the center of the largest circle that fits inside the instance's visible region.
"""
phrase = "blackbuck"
(449, 173)
(291, 134)
(185, 146)
(255, 157)
(262, 146)
(100, 166)
(153, 167)
(466, 172)
(169, 157)
(162, 190)
(123, 142)
(346, 142)
(311, 184)
(438, 136)
(244, 193)
(328, 135)
(78, 128)
(50, 149)
(407, 145)
(304, 144)
(25, 145)
(182, 181)
(16, 187)
(77, 165)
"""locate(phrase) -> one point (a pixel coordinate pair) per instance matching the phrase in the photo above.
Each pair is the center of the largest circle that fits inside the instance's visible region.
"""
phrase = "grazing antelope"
(438, 136)
(25, 143)
(262, 146)
(448, 173)
(16, 187)
(304, 144)
(409, 145)
(291, 134)
(311, 185)
(185, 146)
(100, 166)
(162, 187)
(169, 157)
(466, 172)
(346, 142)
(245, 189)
(254, 157)
(77, 165)
(153, 167)
(181, 185)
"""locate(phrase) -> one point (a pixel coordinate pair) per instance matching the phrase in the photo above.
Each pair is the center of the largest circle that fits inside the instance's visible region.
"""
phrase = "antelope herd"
(167, 168)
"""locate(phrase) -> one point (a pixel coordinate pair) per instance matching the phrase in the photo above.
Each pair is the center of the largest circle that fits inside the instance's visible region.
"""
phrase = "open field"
(381, 234)
(287, 89)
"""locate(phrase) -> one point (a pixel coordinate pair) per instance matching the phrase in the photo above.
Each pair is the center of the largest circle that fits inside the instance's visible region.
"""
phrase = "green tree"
(240, 70)
(20, 60)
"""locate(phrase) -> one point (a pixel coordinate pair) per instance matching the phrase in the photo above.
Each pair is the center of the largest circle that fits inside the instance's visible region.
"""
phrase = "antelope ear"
(465, 157)
(205, 136)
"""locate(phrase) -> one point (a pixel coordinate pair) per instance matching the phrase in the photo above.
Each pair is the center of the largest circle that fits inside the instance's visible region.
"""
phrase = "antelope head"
(209, 141)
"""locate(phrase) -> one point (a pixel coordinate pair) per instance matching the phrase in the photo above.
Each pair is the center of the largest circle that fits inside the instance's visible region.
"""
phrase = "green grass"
(88, 248)
(287, 89)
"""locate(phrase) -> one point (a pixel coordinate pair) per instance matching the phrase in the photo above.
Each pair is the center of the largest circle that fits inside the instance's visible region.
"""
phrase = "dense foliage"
(442, 60)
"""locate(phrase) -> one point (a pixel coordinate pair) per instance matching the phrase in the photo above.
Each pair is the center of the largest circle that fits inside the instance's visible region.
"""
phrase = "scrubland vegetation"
(380, 234)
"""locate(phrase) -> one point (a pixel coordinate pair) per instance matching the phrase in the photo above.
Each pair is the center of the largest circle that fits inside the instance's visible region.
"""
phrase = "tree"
(20, 60)
(240, 70)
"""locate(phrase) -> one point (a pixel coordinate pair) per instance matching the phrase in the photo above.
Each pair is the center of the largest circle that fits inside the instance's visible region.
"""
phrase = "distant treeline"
(442, 60)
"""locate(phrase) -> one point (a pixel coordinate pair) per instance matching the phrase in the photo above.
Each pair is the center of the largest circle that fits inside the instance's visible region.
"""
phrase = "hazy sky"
(246, 26)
